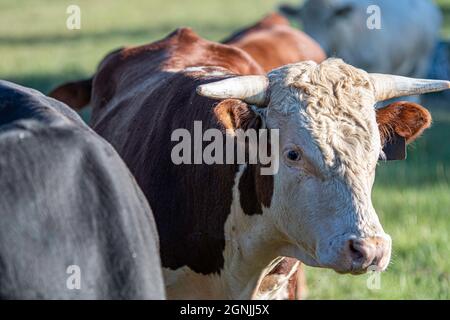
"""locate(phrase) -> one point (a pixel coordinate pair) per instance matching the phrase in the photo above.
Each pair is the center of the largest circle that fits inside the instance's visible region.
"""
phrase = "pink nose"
(367, 252)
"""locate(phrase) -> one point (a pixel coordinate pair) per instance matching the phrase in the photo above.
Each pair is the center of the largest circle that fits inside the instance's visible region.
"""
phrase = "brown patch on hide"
(255, 189)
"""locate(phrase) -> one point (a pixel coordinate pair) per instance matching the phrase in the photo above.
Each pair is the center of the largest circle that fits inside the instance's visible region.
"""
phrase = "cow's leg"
(283, 279)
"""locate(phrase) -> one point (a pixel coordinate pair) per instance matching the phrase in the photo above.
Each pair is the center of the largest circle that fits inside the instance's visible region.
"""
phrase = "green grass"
(412, 197)
(37, 50)
(417, 220)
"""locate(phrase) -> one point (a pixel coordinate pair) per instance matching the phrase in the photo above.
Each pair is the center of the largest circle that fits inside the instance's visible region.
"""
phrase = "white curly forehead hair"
(335, 102)
(256, 89)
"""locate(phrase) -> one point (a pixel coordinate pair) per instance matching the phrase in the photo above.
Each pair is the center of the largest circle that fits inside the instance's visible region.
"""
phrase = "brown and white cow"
(221, 225)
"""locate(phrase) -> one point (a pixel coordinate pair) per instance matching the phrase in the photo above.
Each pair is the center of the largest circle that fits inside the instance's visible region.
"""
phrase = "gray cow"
(73, 222)
(403, 46)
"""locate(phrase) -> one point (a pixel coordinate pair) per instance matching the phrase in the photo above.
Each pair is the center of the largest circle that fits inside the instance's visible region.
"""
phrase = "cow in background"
(404, 45)
(272, 42)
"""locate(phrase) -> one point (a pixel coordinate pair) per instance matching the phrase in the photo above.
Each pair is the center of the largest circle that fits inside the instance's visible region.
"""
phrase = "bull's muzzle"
(371, 253)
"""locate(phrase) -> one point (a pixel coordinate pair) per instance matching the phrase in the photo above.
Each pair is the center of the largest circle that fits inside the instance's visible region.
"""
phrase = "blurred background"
(412, 197)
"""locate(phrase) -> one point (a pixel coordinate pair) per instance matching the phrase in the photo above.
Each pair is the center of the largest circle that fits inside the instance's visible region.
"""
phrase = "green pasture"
(412, 197)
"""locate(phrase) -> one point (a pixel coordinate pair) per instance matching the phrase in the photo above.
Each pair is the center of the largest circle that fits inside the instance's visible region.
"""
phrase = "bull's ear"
(401, 123)
(235, 114)
(75, 94)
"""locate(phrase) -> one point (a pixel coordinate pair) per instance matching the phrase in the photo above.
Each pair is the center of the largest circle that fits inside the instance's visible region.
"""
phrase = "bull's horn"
(251, 89)
(389, 86)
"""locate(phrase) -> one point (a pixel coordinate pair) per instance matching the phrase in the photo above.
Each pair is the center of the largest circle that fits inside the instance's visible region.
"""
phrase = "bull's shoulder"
(181, 49)
(128, 68)
(184, 48)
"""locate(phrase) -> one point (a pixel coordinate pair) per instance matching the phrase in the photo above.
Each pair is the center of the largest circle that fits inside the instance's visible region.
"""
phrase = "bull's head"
(331, 138)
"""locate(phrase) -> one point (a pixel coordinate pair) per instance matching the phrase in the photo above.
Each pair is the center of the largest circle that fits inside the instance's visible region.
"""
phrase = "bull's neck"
(251, 243)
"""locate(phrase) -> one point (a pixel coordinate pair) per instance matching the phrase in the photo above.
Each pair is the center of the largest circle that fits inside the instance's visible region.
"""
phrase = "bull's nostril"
(361, 253)
(355, 251)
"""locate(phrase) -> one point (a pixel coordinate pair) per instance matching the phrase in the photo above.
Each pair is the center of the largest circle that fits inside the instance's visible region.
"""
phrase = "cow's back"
(68, 202)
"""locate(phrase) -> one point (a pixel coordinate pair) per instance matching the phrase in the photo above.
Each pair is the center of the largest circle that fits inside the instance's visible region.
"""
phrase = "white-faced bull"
(221, 225)
(329, 148)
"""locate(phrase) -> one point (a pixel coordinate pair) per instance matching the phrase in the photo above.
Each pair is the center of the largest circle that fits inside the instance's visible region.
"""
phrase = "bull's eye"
(293, 155)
